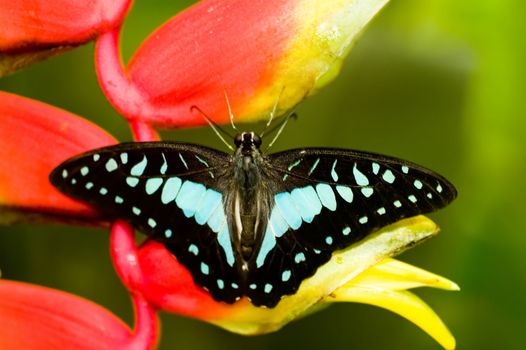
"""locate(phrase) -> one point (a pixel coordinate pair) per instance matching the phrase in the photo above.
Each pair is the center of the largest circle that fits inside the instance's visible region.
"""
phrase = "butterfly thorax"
(248, 198)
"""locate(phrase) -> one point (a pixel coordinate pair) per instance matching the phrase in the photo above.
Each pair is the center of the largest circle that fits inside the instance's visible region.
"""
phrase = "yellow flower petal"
(396, 275)
(384, 285)
(403, 303)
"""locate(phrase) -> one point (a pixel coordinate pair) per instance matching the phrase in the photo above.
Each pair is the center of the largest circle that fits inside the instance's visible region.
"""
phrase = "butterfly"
(249, 224)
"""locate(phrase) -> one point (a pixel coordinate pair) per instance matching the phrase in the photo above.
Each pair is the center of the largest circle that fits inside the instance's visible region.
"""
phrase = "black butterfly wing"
(328, 199)
(169, 191)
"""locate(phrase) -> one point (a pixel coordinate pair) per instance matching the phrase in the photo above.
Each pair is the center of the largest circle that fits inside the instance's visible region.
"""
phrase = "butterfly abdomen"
(248, 203)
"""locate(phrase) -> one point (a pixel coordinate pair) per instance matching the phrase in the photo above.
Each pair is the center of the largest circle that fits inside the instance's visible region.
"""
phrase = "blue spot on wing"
(334, 174)
(209, 203)
(132, 181)
(189, 197)
(307, 202)
(288, 210)
(277, 224)
(269, 242)
(346, 193)
(360, 178)
(193, 249)
(217, 219)
(170, 189)
(138, 169)
(299, 257)
(205, 269)
(111, 165)
(276, 227)
(285, 276)
(326, 195)
(153, 184)
(223, 238)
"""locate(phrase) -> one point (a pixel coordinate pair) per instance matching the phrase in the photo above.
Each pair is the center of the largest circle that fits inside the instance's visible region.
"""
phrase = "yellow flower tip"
(403, 303)
(339, 25)
(384, 285)
(397, 275)
(322, 35)
(454, 287)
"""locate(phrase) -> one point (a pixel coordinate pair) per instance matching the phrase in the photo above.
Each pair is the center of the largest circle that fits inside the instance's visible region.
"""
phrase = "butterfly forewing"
(170, 192)
(330, 199)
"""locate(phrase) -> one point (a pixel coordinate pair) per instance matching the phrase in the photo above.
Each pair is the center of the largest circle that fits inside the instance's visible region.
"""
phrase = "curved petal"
(35, 139)
(33, 317)
(258, 52)
(396, 275)
(405, 304)
(35, 29)
(384, 285)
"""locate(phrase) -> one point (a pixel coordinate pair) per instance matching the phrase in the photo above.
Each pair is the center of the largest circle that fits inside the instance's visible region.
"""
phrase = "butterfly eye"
(238, 140)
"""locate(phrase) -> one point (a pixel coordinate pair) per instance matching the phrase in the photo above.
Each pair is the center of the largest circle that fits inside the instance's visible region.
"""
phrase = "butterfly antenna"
(280, 127)
(217, 129)
(272, 113)
(230, 114)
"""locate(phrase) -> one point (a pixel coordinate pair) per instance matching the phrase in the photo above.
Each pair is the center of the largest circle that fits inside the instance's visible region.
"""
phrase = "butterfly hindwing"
(328, 199)
(170, 192)
(286, 265)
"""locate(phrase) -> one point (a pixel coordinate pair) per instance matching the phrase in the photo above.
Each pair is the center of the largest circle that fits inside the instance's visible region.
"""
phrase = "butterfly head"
(247, 142)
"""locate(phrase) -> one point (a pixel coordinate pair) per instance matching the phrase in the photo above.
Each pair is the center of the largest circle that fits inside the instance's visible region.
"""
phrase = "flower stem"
(146, 332)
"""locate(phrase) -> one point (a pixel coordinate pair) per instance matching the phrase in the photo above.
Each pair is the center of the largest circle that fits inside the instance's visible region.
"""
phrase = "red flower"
(35, 317)
(56, 319)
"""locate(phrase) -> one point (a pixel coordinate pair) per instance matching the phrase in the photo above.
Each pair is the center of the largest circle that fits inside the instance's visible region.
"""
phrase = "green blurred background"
(438, 82)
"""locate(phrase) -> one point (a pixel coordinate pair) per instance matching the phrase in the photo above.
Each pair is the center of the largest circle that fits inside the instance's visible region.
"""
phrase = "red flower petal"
(213, 47)
(35, 139)
(33, 30)
(257, 52)
(33, 317)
